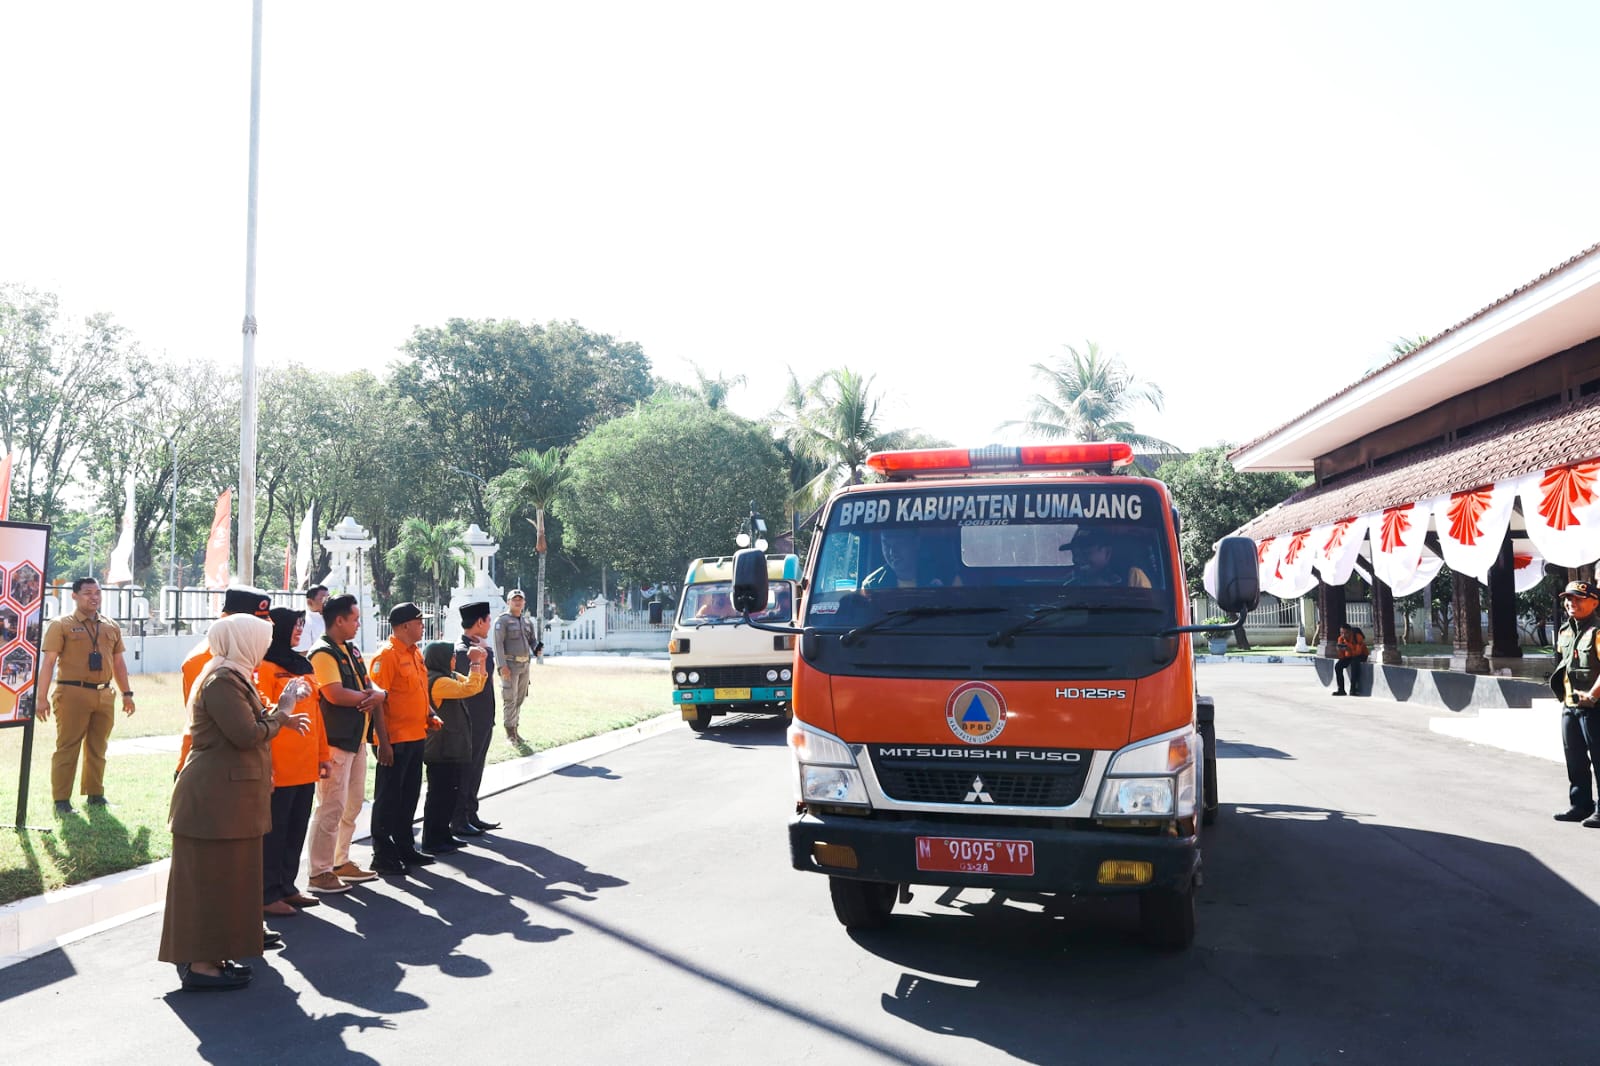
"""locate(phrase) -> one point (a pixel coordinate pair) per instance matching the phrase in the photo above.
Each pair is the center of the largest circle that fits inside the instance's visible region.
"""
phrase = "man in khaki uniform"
(88, 650)
(514, 643)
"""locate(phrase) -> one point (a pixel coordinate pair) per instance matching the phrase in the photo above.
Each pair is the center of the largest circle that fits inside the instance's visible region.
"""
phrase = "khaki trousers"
(339, 799)
(84, 718)
(513, 690)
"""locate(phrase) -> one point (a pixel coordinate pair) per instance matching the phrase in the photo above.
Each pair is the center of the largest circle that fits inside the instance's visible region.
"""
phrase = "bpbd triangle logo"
(976, 712)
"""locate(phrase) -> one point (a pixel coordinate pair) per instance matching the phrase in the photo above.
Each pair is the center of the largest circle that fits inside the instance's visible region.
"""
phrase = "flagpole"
(247, 399)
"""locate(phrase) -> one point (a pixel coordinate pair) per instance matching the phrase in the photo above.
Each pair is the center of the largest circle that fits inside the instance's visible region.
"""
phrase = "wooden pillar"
(1330, 604)
(1503, 639)
(1467, 635)
(1386, 645)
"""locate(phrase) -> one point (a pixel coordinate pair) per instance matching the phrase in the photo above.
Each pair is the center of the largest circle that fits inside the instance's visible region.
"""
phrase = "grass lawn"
(565, 703)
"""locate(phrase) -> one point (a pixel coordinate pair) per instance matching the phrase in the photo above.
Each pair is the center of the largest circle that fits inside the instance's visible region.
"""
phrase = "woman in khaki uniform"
(221, 808)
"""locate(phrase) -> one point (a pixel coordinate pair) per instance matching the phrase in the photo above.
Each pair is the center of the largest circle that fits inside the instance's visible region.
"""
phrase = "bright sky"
(1248, 202)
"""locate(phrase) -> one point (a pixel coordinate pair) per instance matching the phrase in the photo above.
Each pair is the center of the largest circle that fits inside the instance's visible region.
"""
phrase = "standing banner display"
(23, 547)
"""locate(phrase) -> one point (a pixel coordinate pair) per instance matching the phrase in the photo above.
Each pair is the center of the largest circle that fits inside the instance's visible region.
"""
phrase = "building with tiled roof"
(1479, 448)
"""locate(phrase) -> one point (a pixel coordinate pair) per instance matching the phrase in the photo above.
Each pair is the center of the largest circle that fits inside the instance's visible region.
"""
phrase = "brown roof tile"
(1517, 446)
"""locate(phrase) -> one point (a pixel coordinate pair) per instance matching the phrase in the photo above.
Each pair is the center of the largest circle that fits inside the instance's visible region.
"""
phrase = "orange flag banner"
(219, 547)
(288, 565)
(5, 487)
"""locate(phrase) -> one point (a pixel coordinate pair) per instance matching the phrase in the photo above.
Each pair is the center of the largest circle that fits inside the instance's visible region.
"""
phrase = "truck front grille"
(1008, 787)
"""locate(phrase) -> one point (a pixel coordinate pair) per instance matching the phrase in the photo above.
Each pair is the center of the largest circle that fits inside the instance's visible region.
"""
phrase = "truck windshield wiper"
(1004, 636)
(904, 614)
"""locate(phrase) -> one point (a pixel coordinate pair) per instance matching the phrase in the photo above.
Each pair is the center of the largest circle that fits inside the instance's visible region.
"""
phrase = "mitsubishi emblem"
(978, 795)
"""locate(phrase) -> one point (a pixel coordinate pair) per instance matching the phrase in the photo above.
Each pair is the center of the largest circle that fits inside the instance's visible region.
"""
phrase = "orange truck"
(994, 684)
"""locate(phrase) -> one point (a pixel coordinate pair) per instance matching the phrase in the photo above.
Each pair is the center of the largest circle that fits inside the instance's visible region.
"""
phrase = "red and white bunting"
(1472, 525)
(1528, 562)
(1561, 508)
(1336, 546)
(1292, 576)
(1397, 534)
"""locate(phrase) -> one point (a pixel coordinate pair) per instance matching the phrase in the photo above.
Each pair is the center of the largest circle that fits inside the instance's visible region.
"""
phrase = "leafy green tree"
(56, 382)
(487, 389)
(671, 482)
(532, 484)
(1088, 397)
(1215, 499)
(433, 548)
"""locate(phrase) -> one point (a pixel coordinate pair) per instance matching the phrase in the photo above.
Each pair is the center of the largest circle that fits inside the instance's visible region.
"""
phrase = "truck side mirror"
(655, 612)
(1238, 575)
(750, 581)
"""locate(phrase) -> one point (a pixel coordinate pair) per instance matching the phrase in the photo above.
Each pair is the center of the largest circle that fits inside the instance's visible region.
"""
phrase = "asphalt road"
(1375, 893)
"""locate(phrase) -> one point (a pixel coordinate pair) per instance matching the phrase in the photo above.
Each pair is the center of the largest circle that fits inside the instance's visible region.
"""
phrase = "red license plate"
(971, 855)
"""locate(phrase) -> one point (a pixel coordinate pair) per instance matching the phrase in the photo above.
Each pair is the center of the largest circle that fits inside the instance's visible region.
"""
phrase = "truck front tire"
(1166, 918)
(701, 720)
(862, 904)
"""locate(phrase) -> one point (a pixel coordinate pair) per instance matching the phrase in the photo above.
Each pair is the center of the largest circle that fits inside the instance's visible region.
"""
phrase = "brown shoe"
(279, 907)
(353, 873)
(300, 899)
(327, 884)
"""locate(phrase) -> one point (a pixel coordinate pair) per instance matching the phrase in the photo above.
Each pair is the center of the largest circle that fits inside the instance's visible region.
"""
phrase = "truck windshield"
(1015, 548)
(712, 604)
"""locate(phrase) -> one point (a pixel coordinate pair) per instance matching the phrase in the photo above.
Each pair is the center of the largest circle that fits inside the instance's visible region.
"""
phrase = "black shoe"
(468, 830)
(1576, 814)
(98, 801)
(1592, 822)
(202, 982)
(416, 858)
(389, 866)
(237, 969)
(1337, 692)
(443, 847)
(271, 939)
(64, 807)
(483, 826)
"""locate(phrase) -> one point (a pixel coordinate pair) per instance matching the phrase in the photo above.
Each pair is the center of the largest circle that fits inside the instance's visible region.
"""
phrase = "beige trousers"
(84, 718)
(339, 799)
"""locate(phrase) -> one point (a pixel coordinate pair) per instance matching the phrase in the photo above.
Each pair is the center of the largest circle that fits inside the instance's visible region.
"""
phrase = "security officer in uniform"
(1576, 681)
(89, 653)
(514, 642)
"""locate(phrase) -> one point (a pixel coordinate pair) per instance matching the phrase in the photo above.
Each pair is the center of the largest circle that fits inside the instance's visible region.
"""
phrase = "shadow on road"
(1231, 749)
(419, 921)
(1321, 938)
(747, 731)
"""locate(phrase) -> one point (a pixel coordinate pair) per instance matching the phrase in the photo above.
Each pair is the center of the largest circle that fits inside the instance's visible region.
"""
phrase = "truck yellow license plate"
(970, 855)
(730, 693)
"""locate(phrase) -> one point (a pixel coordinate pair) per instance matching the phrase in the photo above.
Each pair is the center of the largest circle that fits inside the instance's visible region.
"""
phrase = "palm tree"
(530, 484)
(1087, 397)
(713, 392)
(434, 548)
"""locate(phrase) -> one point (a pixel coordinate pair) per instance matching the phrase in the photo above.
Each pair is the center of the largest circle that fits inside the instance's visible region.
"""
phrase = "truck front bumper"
(1065, 860)
(695, 696)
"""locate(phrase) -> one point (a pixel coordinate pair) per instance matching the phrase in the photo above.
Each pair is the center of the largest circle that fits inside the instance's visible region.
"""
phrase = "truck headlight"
(832, 784)
(772, 675)
(828, 772)
(1153, 779)
(680, 677)
(784, 674)
(1136, 797)
(694, 677)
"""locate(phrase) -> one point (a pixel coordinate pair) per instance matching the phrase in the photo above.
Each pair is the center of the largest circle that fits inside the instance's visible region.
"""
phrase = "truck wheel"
(788, 714)
(1166, 918)
(1208, 792)
(862, 904)
(701, 720)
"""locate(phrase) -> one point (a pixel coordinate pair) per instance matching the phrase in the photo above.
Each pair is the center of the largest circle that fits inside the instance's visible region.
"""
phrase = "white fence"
(603, 626)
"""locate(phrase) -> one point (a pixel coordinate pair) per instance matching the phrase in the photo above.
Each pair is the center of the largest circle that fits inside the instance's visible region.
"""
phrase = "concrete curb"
(32, 927)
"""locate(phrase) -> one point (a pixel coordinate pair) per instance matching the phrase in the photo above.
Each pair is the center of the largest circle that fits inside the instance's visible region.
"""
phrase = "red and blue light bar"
(1100, 456)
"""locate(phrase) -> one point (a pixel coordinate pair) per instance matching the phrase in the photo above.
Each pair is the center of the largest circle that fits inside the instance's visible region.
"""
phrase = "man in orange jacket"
(1352, 650)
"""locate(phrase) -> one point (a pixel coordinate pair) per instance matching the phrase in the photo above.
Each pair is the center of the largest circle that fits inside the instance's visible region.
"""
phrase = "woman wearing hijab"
(221, 808)
(298, 760)
(448, 749)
